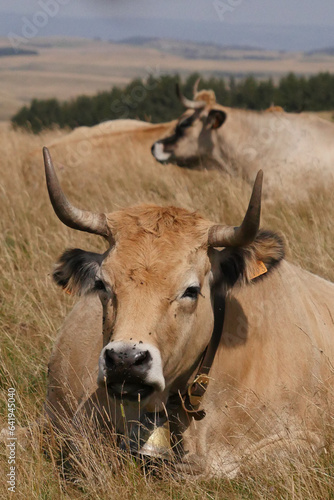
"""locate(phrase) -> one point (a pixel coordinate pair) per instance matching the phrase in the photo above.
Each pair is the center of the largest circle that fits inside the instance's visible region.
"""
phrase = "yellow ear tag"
(261, 269)
(67, 291)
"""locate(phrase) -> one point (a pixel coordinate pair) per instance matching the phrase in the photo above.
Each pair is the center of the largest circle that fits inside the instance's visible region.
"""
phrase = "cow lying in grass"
(296, 151)
(202, 327)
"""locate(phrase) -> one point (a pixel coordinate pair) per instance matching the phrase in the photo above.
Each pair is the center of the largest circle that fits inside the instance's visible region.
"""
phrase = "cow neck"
(192, 396)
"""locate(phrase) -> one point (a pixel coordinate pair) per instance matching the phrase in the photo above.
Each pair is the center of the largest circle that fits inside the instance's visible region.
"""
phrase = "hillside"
(327, 51)
(68, 67)
(193, 50)
(10, 51)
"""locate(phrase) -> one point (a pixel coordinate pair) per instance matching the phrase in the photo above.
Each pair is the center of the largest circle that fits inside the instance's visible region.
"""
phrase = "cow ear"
(216, 118)
(250, 263)
(76, 271)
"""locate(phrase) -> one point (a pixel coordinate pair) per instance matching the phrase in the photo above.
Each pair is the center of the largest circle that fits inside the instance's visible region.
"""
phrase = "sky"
(297, 24)
(285, 12)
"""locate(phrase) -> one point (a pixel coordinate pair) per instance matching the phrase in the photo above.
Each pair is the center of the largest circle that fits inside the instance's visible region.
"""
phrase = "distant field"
(65, 68)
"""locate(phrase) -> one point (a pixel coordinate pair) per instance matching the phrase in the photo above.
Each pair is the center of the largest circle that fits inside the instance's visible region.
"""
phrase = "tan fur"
(263, 250)
(295, 151)
(168, 222)
(146, 238)
(274, 109)
(272, 374)
(83, 141)
(207, 96)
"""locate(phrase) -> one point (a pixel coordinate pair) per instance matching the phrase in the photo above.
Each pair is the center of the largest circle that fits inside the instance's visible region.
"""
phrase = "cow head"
(195, 135)
(155, 283)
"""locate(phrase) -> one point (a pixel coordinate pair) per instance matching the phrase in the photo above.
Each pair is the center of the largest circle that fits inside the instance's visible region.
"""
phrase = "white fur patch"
(159, 153)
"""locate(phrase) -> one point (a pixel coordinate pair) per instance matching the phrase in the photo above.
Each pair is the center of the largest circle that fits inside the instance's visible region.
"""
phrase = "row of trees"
(154, 99)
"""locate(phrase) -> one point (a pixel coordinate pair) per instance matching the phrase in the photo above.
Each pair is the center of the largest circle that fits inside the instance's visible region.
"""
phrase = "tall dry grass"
(120, 173)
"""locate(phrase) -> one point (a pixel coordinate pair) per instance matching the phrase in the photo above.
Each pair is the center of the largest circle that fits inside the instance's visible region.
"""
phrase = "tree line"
(154, 99)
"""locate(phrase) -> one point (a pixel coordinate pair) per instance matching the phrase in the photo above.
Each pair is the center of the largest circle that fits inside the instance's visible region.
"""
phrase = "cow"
(83, 142)
(274, 109)
(194, 328)
(292, 149)
(101, 132)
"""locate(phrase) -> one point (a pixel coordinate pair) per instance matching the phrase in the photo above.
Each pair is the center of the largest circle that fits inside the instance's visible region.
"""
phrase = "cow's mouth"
(192, 162)
(131, 391)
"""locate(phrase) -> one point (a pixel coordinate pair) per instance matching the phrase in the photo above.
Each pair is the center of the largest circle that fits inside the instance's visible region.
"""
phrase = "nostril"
(110, 357)
(119, 360)
(141, 358)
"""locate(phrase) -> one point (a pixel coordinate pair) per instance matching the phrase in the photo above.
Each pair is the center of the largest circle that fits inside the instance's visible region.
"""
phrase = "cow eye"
(192, 292)
(185, 123)
(99, 285)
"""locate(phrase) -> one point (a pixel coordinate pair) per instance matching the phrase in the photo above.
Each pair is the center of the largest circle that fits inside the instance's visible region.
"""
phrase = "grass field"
(65, 68)
(32, 309)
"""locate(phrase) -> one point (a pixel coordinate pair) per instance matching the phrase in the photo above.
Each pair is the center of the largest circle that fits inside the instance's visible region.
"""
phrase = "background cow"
(164, 291)
(296, 151)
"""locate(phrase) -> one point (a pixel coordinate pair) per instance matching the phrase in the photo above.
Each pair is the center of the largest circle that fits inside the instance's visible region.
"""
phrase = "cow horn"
(71, 216)
(195, 88)
(187, 102)
(228, 236)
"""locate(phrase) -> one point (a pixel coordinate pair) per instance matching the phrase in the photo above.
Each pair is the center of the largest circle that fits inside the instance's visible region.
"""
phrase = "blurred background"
(252, 53)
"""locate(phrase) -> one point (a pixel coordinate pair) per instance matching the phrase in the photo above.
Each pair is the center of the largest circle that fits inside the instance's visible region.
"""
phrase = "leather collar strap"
(195, 391)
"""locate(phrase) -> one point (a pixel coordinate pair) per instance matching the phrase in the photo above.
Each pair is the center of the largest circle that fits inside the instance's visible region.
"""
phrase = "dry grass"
(32, 309)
